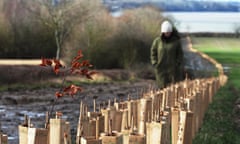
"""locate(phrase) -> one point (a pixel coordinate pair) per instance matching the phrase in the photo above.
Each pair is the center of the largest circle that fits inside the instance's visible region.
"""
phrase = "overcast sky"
(220, 0)
(216, 0)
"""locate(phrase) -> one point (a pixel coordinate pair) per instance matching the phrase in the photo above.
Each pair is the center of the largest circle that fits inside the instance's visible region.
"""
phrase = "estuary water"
(224, 22)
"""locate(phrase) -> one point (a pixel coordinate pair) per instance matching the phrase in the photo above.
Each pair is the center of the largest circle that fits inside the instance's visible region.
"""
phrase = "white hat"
(166, 27)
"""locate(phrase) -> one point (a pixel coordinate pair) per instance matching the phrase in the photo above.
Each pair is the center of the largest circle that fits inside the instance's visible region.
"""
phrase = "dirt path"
(19, 62)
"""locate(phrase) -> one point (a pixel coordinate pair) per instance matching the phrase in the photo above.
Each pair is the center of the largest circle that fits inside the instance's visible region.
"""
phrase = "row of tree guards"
(169, 116)
(172, 115)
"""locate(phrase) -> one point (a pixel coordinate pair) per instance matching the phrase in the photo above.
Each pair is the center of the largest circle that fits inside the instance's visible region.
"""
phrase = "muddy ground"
(15, 103)
(34, 103)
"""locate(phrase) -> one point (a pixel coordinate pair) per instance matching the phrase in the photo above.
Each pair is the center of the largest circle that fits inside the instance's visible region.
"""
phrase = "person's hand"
(155, 65)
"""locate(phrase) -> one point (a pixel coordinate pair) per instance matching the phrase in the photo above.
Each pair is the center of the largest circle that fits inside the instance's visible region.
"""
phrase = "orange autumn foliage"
(78, 67)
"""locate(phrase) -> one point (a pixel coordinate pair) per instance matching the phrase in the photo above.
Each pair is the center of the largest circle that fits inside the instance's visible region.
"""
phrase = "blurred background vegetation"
(28, 30)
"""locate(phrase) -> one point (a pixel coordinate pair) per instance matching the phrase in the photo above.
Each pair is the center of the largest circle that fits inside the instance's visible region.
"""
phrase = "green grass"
(218, 126)
(224, 50)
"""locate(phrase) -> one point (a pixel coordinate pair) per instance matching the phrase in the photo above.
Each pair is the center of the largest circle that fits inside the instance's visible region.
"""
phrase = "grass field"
(224, 50)
(219, 126)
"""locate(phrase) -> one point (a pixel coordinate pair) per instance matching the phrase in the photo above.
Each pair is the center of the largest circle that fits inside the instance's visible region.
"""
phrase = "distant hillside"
(174, 5)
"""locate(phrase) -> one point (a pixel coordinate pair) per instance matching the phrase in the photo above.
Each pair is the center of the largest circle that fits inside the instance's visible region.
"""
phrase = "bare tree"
(61, 16)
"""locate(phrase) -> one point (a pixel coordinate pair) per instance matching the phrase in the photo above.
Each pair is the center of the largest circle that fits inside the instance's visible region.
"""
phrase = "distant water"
(206, 21)
(224, 22)
(117, 13)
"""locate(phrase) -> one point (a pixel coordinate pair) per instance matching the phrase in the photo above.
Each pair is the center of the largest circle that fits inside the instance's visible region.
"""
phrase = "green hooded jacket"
(167, 58)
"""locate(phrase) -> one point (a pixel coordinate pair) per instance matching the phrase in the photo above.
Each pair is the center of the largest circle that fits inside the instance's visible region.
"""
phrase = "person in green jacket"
(167, 56)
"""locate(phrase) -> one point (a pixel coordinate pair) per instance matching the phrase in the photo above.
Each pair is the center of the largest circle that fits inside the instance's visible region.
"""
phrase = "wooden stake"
(110, 127)
(97, 128)
(79, 129)
(94, 105)
(46, 120)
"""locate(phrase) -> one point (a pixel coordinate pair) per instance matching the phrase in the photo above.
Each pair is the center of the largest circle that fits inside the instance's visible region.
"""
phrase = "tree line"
(34, 29)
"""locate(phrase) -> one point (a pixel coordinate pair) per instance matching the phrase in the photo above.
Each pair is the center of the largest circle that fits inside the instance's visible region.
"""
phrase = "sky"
(185, 0)
(227, 0)
(216, 0)
(221, 0)
(200, 0)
